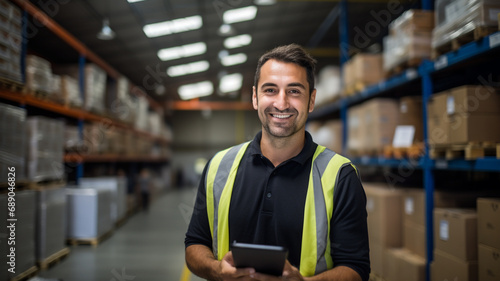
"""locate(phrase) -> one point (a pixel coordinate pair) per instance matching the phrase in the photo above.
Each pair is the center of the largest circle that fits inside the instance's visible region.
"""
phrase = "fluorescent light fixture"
(173, 26)
(234, 59)
(184, 51)
(134, 1)
(231, 83)
(196, 90)
(238, 41)
(264, 2)
(240, 14)
(190, 68)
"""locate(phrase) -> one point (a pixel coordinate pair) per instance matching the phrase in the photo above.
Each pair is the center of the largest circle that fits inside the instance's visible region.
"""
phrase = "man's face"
(282, 98)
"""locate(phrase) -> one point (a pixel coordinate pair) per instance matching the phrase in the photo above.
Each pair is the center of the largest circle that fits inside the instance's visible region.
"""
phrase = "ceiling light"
(240, 14)
(237, 41)
(190, 68)
(134, 1)
(106, 32)
(173, 26)
(226, 30)
(184, 51)
(196, 90)
(231, 83)
(265, 2)
(234, 59)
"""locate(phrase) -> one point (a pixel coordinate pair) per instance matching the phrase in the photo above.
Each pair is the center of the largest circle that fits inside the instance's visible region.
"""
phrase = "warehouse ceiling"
(313, 24)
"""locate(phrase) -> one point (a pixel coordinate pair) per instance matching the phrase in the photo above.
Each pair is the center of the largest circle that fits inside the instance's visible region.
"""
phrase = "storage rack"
(475, 54)
(16, 96)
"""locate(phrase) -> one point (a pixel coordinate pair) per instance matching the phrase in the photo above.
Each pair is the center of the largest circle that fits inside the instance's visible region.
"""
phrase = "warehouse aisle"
(150, 246)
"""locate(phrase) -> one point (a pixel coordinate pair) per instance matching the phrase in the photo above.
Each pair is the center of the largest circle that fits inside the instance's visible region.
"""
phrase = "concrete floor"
(149, 247)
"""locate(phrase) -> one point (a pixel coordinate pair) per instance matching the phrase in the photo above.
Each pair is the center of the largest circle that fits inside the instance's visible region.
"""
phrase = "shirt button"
(269, 195)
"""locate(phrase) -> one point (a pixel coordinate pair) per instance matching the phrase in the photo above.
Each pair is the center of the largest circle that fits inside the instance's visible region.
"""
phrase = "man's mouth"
(281, 116)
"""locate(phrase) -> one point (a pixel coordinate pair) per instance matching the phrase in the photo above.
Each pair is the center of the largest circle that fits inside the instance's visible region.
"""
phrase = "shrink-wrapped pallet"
(23, 229)
(50, 222)
(456, 18)
(89, 212)
(118, 188)
(10, 41)
(38, 74)
(45, 148)
(13, 140)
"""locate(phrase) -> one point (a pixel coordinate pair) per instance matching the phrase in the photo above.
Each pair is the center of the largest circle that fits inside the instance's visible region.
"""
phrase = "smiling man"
(281, 189)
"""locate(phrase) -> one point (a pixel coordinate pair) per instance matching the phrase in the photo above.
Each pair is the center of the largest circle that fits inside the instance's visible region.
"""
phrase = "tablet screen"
(263, 258)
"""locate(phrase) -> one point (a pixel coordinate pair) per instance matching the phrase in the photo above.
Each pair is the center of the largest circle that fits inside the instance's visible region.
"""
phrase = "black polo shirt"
(267, 207)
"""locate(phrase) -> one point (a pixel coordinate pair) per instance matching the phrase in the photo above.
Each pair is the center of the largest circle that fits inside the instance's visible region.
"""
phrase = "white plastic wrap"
(50, 222)
(454, 18)
(89, 212)
(95, 88)
(38, 74)
(45, 148)
(13, 140)
(118, 188)
(328, 85)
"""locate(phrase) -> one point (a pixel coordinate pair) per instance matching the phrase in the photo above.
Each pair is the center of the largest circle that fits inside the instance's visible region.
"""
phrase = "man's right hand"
(228, 272)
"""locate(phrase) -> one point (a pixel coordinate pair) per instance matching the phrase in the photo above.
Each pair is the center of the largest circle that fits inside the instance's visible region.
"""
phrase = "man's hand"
(229, 272)
(290, 273)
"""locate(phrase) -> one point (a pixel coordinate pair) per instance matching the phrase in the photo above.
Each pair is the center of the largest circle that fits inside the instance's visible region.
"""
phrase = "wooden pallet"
(32, 271)
(47, 184)
(469, 151)
(454, 44)
(89, 241)
(412, 152)
(354, 88)
(8, 84)
(375, 152)
(400, 68)
(53, 259)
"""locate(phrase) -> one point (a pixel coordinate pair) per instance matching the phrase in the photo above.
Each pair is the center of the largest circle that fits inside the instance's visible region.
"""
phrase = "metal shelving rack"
(422, 76)
(78, 114)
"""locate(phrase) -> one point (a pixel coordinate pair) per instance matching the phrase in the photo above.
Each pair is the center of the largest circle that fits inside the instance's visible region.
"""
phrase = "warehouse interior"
(101, 101)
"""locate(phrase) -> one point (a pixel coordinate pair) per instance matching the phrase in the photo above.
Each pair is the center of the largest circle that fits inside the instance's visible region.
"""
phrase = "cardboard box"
(455, 232)
(439, 123)
(474, 128)
(384, 209)
(414, 206)
(364, 68)
(446, 267)
(380, 116)
(488, 221)
(403, 265)
(413, 20)
(489, 263)
(377, 258)
(410, 113)
(415, 238)
(473, 99)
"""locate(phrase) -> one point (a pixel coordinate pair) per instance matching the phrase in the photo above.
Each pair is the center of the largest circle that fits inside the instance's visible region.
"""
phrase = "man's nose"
(281, 102)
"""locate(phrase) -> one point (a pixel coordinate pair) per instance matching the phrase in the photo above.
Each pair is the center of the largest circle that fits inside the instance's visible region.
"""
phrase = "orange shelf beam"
(202, 105)
(86, 158)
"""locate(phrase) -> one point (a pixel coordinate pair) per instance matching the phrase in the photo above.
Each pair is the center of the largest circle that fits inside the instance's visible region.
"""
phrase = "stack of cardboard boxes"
(409, 39)
(455, 245)
(371, 125)
(463, 115)
(361, 71)
(384, 208)
(488, 223)
(10, 41)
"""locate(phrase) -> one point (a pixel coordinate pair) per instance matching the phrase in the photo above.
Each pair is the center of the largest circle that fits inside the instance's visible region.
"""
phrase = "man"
(281, 189)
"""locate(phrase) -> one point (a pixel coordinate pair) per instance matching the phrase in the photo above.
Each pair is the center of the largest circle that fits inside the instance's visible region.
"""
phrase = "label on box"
(403, 108)
(441, 62)
(411, 74)
(450, 105)
(444, 230)
(409, 206)
(370, 204)
(403, 137)
(494, 40)
(454, 9)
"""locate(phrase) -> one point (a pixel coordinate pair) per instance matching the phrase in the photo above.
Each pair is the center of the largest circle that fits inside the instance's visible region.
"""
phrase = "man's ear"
(312, 99)
(254, 98)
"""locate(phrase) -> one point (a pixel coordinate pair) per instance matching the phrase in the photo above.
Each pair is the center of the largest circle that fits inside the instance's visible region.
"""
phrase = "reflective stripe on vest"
(315, 250)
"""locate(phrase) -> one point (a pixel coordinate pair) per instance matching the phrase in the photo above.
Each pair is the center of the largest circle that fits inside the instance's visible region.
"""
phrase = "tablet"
(263, 258)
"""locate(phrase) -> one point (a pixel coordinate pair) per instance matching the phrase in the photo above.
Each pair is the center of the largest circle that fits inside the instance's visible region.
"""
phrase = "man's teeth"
(282, 116)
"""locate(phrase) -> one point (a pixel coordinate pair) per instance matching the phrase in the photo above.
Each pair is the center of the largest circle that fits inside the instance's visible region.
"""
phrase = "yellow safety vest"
(315, 250)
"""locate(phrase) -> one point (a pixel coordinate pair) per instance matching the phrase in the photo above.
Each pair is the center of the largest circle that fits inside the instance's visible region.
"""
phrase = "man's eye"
(268, 90)
(294, 91)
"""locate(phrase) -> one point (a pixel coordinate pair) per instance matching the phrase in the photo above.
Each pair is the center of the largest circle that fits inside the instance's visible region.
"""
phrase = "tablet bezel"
(265, 259)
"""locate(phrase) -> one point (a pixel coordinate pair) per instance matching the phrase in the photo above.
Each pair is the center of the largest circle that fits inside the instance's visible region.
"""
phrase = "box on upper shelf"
(362, 70)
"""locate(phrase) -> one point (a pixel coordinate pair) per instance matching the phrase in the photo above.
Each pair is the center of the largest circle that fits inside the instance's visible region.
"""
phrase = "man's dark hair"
(292, 53)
